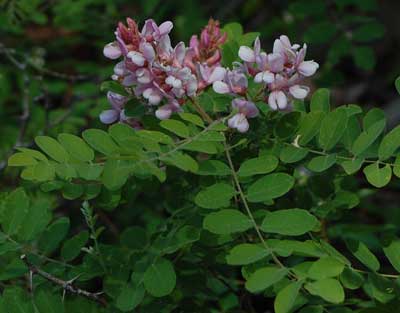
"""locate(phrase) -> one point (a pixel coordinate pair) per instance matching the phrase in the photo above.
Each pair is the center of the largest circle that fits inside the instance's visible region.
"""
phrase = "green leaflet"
(265, 277)
(260, 165)
(378, 176)
(215, 196)
(332, 129)
(270, 187)
(160, 278)
(291, 222)
(226, 221)
(329, 289)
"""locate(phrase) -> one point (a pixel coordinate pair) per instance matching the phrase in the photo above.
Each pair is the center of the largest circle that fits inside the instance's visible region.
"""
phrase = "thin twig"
(66, 285)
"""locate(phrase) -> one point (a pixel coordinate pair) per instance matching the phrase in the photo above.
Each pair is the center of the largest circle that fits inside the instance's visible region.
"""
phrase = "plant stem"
(207, 118)
(246, 206)
(66, 285)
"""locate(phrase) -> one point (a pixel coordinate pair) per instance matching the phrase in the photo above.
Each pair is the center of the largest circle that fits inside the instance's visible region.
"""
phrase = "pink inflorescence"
(159, 74)
(165, 77)
(280, 72)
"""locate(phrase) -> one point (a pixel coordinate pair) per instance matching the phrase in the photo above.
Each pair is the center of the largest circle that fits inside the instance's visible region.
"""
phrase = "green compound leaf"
(130, 297)
(352, 166)
(309, 126)
(292, 154)
(320, 100)
(192, 118)
(392, 252)
(328, 289)
(72, 247)
(215, 196)
(363, 254)
(368, 137)
(260, 165)
(14, 211)
(270, 187)
(100, 141)
(351, 279)
(321, 163)
(160, 278)
(47, 302)
(52, 148)
(176, 127)
(265, 277)
(286, 297)
(76, 147)
(21, 159)
(333, 127)
(325, 268)
(291, 222)
(226, 222)
(246, 253)
(377, 176)
(213, 168)
(390, 143)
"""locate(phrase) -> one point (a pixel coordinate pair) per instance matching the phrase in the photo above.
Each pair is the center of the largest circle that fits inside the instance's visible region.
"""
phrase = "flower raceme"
(281, 72)
(164, 76)
(158, 73)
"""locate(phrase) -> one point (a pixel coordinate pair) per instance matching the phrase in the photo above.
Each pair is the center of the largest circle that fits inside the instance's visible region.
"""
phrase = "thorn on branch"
(66, 285)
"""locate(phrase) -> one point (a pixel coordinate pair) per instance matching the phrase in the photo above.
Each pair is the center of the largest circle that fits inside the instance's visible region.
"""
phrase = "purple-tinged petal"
(149, 27)
(299, 92)
(191, 86)
(247, 54)
(172, 81)
(137, 58)
(143, 76)
(152, 95)
(277, 100)
(308, 68)
(221, 87)
(180, 52)
(275, 62)
(163, 112)
(117, 101)
(109, 116)
(165, 28)
(251, 110)
(217, 74)
(239, 121)
(266, 77)
(120, 69)
(112, 51)
(148, 51)
(257, 46)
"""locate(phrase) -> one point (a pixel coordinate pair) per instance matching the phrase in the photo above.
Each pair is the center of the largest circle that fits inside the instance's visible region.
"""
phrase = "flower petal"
(112, 51)
(246, 54)
(163, 112)
(308, 68)
(137, 58)
(217, 74)
(109, 116)
(165, 27)
(221, 87)
(299, 92)
(275, 62)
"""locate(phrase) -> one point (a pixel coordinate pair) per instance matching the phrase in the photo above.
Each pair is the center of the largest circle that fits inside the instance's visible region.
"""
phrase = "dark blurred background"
(51, 61)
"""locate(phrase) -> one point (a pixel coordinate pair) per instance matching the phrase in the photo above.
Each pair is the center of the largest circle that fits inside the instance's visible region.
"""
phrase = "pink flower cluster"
(156, 72)
(281, 73)
(165, 76)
